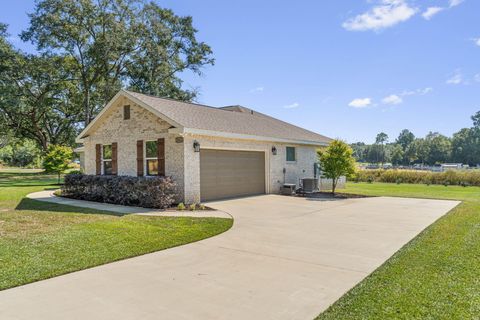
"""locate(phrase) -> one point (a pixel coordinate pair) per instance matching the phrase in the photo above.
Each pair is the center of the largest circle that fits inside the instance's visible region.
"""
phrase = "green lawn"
(435, 276)
(40, 240)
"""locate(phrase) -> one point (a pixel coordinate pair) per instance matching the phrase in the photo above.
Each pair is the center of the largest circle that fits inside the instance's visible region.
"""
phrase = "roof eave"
(241, 136)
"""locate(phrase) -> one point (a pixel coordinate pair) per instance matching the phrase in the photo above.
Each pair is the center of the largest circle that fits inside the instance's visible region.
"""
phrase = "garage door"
(226, 174)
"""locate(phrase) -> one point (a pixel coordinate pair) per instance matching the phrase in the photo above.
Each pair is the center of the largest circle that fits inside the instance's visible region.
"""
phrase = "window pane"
(151, 147)
(107, 152)
(290, 154)
(107, 167)
(152, 167)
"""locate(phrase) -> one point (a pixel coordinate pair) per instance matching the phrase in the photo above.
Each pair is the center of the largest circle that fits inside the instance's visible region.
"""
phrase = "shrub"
(201, 206)
(192, 207)
(57, 159)
(452, 177)
(181, 206)
(148, 192)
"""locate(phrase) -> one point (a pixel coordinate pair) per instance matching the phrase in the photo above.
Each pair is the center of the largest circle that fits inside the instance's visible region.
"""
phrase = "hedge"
(450, 177)
(148, 192)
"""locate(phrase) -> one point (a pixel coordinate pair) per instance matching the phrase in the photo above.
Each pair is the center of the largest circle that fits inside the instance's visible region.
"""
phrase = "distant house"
(212, 153)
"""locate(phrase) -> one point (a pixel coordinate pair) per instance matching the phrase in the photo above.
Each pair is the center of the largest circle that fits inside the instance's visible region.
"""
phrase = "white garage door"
(226, 174)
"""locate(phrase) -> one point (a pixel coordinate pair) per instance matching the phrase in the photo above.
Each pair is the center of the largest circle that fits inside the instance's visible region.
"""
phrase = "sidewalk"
(48, 196)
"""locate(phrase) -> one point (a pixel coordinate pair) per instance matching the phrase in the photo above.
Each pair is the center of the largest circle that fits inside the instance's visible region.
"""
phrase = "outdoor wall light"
(196, 146)
(274, 150)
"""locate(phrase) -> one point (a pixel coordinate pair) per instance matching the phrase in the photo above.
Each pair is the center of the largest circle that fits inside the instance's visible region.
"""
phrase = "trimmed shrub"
(148, 192)
(450, 177)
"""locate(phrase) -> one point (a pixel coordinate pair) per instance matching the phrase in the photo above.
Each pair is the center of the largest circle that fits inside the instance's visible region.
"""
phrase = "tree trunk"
(334, 185)
(86, 105)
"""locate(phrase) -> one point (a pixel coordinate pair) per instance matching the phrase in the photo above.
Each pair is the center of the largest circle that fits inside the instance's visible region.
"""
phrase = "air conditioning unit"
(309, 184)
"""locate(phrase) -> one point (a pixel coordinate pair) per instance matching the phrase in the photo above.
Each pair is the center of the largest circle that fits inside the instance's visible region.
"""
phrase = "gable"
(111, 123)
(110, 120)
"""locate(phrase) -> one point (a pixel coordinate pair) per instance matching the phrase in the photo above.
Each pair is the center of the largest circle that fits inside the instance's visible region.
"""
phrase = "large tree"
(37, 100)
(115, 43)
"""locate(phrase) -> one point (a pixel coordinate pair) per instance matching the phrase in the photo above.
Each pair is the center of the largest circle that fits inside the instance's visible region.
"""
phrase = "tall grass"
(450, 177)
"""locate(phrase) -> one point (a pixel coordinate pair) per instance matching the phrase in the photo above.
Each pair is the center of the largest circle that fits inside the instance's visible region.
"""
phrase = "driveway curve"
(284, 258)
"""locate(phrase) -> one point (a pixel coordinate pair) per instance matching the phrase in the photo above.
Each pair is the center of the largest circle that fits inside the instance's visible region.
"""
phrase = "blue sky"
(346, 69)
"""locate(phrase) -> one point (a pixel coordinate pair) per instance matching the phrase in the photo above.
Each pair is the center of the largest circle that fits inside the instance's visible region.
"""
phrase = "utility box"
(288, 189)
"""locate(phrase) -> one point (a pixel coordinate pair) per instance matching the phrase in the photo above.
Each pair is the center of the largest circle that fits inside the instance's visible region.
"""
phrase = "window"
(291, 154)
(151, 158)
(126, 112)
(107, 159)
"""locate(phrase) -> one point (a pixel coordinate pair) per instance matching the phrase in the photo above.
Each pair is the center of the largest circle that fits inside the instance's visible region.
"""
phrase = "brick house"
(211, 153)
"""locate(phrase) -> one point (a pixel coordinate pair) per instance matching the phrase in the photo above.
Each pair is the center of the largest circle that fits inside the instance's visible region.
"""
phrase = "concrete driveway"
(284, 258)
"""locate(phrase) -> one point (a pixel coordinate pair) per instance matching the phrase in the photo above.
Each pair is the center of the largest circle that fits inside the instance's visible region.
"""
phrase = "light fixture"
(196, 146)
(274, 150)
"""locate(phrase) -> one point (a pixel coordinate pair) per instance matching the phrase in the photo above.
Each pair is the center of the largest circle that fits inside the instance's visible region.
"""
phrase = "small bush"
(370, 179)
(192, 207)
(201, 206)
(181, 206)
(148, 192)
(399, 181)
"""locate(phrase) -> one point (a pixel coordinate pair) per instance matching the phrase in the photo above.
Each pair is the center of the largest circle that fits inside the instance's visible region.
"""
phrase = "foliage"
(57, 159)
(336, 161)
(192, 207)
(181, 206)
(20, 153)
(148, 192)
(111, 43)
(452, 177)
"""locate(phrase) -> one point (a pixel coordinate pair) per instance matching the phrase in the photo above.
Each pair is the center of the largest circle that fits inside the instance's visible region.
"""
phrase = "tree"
(381, 139)
(37, 99)
(336, 161)
(421, 149)
(439, 148)
(359, 151)
(397, 154)
(111, 44)
(405, 138)
(57, 159)
(476, 120)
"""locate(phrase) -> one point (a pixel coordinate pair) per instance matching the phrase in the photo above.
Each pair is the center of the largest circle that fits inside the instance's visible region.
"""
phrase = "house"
(211, 153)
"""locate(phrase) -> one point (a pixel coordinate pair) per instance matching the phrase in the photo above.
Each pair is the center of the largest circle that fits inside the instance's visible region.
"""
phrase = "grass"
(41, 240)
(435, 276)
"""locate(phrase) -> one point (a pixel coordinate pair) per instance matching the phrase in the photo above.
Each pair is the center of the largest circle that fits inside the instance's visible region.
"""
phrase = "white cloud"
(454, 3)
(384, 15)
(476, 41)
(360, 102)
(420, 92)
(431, 11)
(457, 78)
(292, 106)
(392, 99)
(257, 89)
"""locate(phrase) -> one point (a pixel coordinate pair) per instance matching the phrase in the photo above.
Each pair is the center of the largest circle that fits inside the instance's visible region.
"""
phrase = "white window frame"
(105, 160)
(145, 161)
(294, 153)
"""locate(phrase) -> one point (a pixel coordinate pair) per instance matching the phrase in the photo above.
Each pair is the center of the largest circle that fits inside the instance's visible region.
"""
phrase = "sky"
(346, 69)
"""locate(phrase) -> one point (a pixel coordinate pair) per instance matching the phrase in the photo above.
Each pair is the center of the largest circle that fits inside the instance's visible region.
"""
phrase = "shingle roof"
(232, 119)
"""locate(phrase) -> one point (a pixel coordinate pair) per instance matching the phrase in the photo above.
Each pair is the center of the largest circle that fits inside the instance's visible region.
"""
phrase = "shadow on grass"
(30, 204)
